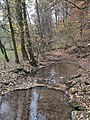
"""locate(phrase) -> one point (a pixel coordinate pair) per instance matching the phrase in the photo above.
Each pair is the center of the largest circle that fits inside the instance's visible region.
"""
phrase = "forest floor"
(77, 87)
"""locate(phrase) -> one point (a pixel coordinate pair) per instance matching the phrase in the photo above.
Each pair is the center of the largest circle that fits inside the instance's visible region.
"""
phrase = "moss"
(56, 46)
(9, 53)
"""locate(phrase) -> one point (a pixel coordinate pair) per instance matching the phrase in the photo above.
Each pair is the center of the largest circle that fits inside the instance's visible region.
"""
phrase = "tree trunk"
(39, 23)
(27, 33)
(56, 17)
(3, 50)
(12, 32)
(21, 25)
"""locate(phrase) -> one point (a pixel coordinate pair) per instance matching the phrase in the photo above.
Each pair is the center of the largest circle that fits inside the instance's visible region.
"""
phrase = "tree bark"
(39, 23)
(12, 33)
(3, 50)
(56, 17)
(27, 33)
(21, 25)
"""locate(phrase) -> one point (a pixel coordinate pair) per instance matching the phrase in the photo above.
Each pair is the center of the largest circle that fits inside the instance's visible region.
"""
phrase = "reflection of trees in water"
(57, 69)
(54, 105)
(16, 106)
(35, 104)
(25, 110)
(8, 107)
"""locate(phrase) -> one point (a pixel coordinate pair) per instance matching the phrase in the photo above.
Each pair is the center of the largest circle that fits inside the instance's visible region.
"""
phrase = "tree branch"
(56, 2)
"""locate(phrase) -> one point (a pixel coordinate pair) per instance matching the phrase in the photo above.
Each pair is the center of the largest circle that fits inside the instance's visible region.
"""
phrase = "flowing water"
(39, 103)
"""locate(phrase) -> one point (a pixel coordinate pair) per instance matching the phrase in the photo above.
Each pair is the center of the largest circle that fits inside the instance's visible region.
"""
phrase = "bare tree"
(27, 34)
(12, 32)
(3, 50)
(20, 21)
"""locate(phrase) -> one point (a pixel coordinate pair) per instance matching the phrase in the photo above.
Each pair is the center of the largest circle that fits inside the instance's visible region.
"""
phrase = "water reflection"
(38, 103)
(57, 72)
(34, 104)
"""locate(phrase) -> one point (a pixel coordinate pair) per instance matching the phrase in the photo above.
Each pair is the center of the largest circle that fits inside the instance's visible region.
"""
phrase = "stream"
(58, 72)
(40, 103)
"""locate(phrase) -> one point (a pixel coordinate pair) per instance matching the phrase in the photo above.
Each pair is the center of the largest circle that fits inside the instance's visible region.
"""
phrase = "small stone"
(81, 116)
(73, 115)
(73, 90)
